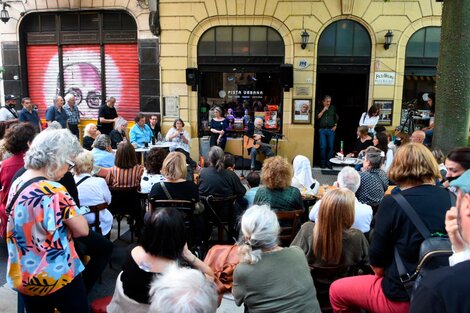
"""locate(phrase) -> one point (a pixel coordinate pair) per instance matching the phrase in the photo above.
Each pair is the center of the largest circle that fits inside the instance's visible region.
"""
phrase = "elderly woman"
(414, 170)
(153, 166)
(126, 171)
(118, 134)
(102, 151)
(303, 179)
(218, 125)
(270, 278)
(276, 176)
(17, 140)
(92, 190)
(44, 218)
(331, 241)
(374, 181)
(89, 135)
(163, 243)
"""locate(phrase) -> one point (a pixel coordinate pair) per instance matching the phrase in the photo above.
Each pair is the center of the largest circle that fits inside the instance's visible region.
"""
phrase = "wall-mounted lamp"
(388, 39)
(304, 36)
(154, 17)
(4, 16)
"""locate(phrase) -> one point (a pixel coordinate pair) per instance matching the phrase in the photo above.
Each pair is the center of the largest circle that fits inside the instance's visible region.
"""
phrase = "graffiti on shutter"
(43, 71)
(122, 78)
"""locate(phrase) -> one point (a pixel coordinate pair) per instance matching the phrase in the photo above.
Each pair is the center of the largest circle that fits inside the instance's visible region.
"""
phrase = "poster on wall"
(386, 111)
(83, 77)
(302, 111)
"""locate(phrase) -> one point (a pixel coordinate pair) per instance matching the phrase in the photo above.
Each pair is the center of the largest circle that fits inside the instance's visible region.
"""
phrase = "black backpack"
(434, 251)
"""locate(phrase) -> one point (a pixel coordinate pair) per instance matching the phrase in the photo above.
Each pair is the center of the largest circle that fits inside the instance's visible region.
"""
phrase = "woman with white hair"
(92, 190)
(303, 179)
(118, 134)
(270, 278)
(43, 265)
(102, 151)
(89, 135)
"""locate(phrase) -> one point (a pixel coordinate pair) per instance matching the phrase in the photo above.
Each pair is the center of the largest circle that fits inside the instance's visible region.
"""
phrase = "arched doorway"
(344, 50)
(239, 69)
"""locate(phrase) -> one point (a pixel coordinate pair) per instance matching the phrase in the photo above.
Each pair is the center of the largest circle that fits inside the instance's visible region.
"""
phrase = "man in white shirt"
(349, 178)
(8, 112)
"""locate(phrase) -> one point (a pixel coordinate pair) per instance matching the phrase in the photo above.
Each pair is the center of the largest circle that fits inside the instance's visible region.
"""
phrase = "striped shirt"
(129, 177)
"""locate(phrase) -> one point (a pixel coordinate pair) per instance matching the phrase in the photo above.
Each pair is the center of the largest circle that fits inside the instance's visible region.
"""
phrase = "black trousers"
(99, 249)
(74, 130)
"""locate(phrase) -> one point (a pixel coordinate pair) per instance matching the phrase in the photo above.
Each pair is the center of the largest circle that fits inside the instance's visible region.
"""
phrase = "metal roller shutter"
(122, 78)
(43, 75)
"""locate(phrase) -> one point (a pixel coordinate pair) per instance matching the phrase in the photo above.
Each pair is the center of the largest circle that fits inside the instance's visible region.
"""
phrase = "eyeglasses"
(71, 164)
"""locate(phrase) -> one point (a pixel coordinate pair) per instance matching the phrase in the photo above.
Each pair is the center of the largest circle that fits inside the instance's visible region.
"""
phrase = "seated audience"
(443, 290)
(127, 171)
(276, 176)
(303, 179)
(401, 139)
(374, 181)
(43, 222)
(183, 290)
(89, 135)
(118, 134)
(440, 159)
(270, 278)
(92, 190)
(418, 136)
(381, 142)
(162, 244)
(253, 179)
(457, 162)
(349, 178)
(363, 141)
(102, 151)
(17, 139)
(140, 134)
(229, 161)
(331, 241)
(153, 165)
(414, 170)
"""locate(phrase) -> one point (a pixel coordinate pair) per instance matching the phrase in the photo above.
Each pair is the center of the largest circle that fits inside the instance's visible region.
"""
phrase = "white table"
(346, 161)
(162, 144)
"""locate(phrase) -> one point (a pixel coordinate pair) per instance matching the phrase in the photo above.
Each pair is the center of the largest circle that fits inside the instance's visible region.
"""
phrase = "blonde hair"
(86, 131)
(84, 162)
(413, 165)
(260, 229)
(335, 216)
(276, 173)
(174, 166)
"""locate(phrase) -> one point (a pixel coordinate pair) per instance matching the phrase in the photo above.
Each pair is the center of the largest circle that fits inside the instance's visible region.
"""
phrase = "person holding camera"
(140, 134)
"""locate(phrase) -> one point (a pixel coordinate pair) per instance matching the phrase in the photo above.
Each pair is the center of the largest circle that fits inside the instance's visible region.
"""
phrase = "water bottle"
(341, 147)
(159, 137)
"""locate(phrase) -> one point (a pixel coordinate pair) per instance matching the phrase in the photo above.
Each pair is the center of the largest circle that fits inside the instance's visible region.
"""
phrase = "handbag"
(223, 259)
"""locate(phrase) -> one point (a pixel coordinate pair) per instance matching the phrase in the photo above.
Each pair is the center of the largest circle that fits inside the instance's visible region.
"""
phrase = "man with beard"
(8, 112)
(444, 290)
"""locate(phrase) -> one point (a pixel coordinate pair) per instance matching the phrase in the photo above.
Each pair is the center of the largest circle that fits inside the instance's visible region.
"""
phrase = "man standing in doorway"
(73, 114)
(107, 116)
(29, 115)
(328, 121)
(8, 112)
(57, 112)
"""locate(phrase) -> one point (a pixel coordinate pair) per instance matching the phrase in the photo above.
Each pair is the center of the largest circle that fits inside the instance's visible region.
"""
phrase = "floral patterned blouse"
(41, 253)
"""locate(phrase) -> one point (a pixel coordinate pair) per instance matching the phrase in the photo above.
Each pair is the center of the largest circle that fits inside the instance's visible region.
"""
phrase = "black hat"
(10, 97)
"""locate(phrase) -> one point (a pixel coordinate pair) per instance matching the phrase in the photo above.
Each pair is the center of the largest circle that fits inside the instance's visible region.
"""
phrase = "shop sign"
(303, 63)
(244, 92)
(384, 78)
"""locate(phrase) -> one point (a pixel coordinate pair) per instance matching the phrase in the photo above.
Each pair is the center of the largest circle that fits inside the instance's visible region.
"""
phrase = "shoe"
(330, 166)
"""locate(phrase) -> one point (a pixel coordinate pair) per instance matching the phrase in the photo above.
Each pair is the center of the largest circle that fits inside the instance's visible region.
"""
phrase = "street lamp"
(388, 39)
(304, 36)
(4, 16)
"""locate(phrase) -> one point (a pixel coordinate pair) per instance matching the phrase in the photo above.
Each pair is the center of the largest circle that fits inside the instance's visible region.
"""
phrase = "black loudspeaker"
(287, 76)
(191, 77)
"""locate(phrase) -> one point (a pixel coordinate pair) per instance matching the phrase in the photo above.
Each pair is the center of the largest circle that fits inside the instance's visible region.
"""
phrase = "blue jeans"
(266, 150)
(327, 141)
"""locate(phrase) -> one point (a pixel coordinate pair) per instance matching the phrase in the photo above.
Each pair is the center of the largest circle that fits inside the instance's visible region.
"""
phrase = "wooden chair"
(288, 221)
(126, 202)
(323, 277)
(184, 206)
(95, 209)
(220, 211)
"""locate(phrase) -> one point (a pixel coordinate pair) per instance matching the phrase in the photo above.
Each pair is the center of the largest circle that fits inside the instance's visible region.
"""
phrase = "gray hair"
(216, 157)
(68, 97)
(54, 125)
(56, 97)
(86, 130)
(118, 123)
(183, 290)
(260, 229)
(102, 142)
(50, 150)
(349, 178)
(84, 162)
(375, 156)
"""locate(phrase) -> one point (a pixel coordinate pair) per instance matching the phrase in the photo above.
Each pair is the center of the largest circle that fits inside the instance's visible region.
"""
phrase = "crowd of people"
(50, 183)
